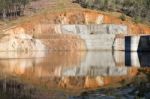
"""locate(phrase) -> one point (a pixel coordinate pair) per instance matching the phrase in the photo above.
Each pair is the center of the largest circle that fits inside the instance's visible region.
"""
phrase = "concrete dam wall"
(132, 43)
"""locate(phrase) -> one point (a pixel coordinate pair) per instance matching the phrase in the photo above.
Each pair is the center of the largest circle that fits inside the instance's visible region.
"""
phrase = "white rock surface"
(95, 29)
(21, 42)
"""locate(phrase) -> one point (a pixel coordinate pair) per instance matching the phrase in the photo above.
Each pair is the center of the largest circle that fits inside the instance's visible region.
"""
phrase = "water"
(69, 75)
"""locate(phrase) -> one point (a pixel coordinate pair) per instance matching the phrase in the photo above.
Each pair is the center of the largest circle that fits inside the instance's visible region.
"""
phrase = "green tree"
(12, 7)
(135, 8)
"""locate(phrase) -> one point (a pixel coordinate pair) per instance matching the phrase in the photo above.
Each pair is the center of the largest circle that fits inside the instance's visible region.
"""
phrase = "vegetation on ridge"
(138, 9)
(12, 8)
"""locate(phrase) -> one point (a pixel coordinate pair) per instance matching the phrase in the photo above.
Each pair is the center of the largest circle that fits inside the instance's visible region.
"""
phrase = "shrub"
(133, 8)
(137, 19)
(123, 17)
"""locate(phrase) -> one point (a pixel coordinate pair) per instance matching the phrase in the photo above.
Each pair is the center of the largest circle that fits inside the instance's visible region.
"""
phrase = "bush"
(123, 17)
(137, 19)
(10, 8)
(133, 8)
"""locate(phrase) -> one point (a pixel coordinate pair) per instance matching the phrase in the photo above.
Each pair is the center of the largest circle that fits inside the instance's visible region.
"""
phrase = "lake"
(74, 75)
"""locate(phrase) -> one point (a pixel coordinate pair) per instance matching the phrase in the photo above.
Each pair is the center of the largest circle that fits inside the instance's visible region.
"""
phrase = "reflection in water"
(8, 55)
(72, 70)
(144, 59)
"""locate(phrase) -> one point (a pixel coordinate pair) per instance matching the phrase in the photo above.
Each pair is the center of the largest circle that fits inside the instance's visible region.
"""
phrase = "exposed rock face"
(59, 31)
(21, 42)
(64, 43)
(94, 29)
(91, 18)
(75, 16)
(81, 17)
(19, 39)
(63, 37)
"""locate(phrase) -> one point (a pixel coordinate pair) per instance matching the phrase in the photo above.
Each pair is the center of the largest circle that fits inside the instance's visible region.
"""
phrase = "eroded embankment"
(49, 31)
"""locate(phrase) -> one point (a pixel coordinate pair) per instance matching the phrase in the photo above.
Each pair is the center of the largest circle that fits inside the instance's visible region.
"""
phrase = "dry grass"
(50, 7)
(40, 7)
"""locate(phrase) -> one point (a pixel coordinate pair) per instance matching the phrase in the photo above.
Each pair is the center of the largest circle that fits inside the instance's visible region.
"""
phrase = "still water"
(72, 75)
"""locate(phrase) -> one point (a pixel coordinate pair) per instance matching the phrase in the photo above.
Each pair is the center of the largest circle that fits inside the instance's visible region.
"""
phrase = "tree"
(12, 7)
(135, 8)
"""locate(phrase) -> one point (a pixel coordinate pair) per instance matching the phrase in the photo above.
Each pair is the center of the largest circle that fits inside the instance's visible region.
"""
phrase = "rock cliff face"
(59, 31)
(21, 42)
(18, 39)
(75, 16)
(62, 37)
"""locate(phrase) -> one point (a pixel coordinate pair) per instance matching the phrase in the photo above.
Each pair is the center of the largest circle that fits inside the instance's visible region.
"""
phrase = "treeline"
(138, 9)
(12, 8)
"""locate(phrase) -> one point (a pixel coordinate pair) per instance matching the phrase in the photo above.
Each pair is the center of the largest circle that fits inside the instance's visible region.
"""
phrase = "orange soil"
(78, 16)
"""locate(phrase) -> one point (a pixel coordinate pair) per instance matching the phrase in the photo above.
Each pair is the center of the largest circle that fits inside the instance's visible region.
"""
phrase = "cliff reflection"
(38, 64)
(71, 70)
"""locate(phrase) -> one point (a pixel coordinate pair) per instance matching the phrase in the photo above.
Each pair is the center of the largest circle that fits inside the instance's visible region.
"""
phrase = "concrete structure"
(99, 41)
(132, 43)
(96, 37)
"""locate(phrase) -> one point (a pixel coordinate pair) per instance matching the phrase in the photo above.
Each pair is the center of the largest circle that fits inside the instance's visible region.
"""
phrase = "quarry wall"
(73, 30)
(64, 37)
